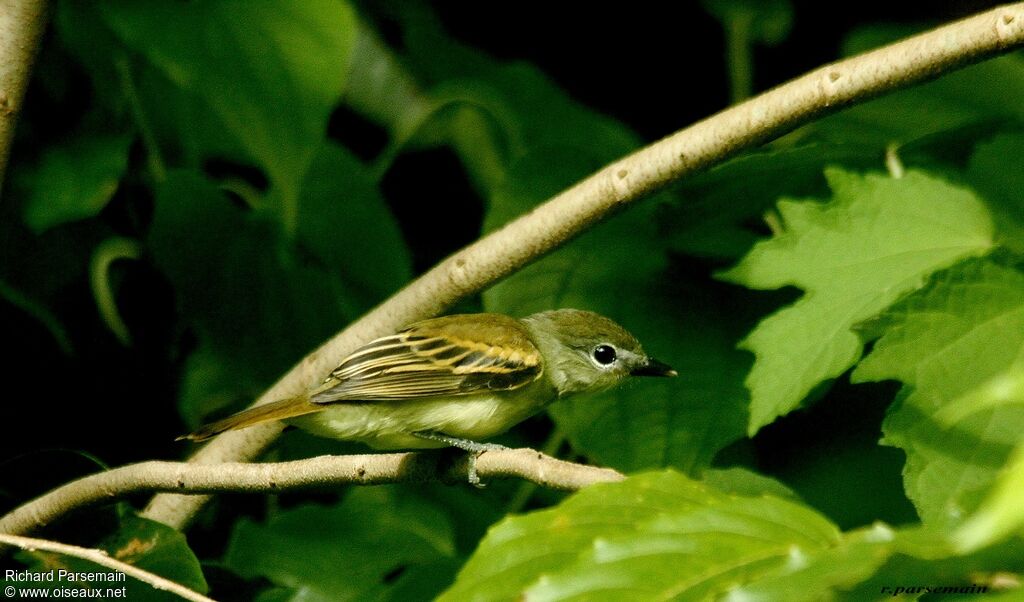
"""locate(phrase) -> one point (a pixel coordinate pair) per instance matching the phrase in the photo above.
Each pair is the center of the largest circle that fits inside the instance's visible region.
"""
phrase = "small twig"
(101, 558)
(274, 477)
(528, 488)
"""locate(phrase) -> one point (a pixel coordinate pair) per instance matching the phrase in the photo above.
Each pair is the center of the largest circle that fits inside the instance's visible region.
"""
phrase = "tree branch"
(571, 212)
(101, 558)
(21, 26)
(319, 472)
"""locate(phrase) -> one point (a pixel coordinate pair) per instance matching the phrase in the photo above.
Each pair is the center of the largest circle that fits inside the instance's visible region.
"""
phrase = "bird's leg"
(473, 448)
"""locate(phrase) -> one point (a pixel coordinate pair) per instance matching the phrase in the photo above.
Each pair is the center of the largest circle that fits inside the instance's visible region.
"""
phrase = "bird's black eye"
(604, 354)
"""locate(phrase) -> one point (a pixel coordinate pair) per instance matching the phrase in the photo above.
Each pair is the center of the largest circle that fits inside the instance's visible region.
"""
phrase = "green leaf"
(255, 304)
(741, 481)
(958, 346)
(214, 379)
(1002, 512)
(380, 87)
(877, 239)
(834, 572)
(652, 536)
(267, 74)
(343, 219)
(712, 211)
(347, 551)
(74, 180)
(149, 545)
(994, 171)
(619, 269)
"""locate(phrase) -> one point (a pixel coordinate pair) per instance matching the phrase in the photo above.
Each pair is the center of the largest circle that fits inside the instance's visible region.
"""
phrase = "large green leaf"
(877, 239)
(350, 551)
(620, 269)
(262, 78)
(958, 345)
(653, 536)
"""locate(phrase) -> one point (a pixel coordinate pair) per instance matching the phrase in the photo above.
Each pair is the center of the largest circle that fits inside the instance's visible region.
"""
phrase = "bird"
(458, 380)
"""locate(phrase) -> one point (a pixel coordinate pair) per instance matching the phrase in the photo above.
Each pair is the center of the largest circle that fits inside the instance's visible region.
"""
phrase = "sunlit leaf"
(958, 346)
(653, 536)
(877, 239)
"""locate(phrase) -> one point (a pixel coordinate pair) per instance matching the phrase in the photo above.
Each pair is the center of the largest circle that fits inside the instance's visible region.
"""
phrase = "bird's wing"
(454, 355)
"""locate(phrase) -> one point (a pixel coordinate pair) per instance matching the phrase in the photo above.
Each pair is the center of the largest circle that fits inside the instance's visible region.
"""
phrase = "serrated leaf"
(956, 345)
(343, 552)
(877, 239)
(265, 75)
(619, 269)
(74, 180)
(652, 536)
(713, 210)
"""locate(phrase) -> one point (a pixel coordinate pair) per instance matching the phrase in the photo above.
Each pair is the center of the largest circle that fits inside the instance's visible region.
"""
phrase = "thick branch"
(576, 209)
(100, 557)
(323, 471)
(21, 26)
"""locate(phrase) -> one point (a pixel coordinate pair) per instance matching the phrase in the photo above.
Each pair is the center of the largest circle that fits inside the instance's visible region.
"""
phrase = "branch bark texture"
(574, 210)
(101, 558)
(21, 26)
(320, 472)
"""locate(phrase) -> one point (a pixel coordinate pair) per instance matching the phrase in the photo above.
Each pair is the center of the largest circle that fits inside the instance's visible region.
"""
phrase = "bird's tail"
(275, 410)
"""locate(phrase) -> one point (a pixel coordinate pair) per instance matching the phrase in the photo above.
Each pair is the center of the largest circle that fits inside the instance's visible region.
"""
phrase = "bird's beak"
(654, 368)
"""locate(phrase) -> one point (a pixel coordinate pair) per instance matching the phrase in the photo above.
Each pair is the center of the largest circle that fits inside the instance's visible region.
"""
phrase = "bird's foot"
(473, 449)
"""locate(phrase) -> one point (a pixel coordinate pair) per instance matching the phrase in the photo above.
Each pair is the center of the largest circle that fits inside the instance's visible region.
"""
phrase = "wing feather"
(437, 357)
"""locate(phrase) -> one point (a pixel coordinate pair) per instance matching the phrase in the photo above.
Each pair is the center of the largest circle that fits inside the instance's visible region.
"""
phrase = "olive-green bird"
(458, 380)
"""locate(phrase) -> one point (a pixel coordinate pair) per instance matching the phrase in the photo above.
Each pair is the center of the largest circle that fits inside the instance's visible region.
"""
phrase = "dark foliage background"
(202, 192)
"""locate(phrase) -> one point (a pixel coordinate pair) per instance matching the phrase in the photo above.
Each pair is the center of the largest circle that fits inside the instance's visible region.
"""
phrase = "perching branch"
(101, 558)
(21, 26)
(320, 472)
(574, 210)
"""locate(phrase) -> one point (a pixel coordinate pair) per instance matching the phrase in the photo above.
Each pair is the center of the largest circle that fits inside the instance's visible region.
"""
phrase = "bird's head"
(586, 352)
